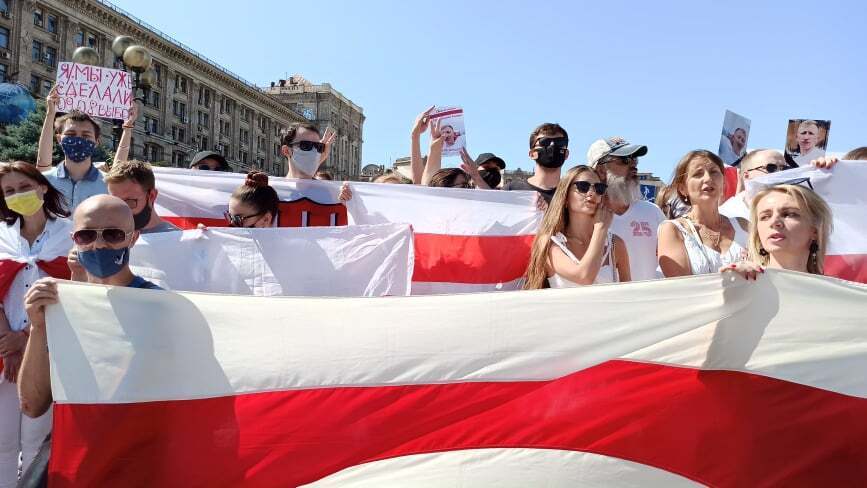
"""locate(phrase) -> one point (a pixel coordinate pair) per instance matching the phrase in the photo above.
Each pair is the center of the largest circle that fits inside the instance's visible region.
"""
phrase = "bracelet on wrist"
(128, 126)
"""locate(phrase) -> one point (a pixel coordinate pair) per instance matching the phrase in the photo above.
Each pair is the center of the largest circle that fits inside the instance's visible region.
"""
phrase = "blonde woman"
(574, 245)
(789, 229)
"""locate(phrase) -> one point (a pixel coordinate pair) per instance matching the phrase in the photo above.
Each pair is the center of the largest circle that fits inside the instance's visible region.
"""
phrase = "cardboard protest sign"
(451, 128)
(94, 90)
(806, 140)
(733, 141)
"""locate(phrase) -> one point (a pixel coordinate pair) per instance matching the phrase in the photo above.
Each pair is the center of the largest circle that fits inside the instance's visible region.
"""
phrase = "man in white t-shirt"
(756, 163)
(635, 219)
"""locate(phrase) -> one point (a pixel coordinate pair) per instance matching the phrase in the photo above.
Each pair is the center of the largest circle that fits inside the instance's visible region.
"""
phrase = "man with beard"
(549, 147)
(635, 220)
(134, 183)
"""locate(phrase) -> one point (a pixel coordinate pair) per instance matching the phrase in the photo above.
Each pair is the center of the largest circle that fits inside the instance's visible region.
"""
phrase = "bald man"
(754, 164)
(103, 233)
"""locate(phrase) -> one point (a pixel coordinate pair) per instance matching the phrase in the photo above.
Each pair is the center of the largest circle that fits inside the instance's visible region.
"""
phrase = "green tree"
(20, 142)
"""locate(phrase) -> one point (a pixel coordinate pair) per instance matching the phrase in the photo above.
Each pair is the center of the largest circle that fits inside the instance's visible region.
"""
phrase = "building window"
(243, 157)
(3, 69)
(179, 134)
(79, 38)
(50, 56)
(245, 136)
(37, 51)
(179, 108)
(118, 62)
(180, 84)
(52, 24)
(151, 124)
(153, 152)
(204, 97)
(37, 17)
(153, 99)
(204, 119)
(4, 6)
(4, 38)
(159, 70)
(46, 86)
(34, 84)
(179, 159)
(204, 143)
(91, 40)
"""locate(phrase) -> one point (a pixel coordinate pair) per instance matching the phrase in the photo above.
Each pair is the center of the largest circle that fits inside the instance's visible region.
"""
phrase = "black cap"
(224, 166)
(490, 157)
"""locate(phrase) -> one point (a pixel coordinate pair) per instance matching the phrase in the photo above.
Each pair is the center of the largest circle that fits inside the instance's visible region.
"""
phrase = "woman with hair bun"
(253, 204)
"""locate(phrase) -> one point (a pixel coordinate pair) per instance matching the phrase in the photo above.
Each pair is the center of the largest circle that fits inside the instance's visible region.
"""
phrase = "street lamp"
(136, 58)
(85, 55)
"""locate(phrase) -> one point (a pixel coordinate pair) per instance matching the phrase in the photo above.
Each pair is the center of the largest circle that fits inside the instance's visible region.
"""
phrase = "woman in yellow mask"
(34, 243)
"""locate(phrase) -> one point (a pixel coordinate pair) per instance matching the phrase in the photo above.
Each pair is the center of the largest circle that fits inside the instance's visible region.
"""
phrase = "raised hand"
(825, 162)
(604, 215)
(328, 139)
(52, 99)
(42, 293)
(421, 122)
(345, 192)
(129, 123)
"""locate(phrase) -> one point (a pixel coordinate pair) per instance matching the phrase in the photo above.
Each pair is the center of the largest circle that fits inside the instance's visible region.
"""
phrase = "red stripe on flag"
(447, 113)
(852, 267)
(720, 428)
(187, 223)
(470, 259)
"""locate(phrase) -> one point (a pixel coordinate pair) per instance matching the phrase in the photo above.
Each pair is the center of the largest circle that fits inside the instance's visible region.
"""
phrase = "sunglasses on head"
(308, 145)
(110, 236)
(584, 187)
(238, 220)
(560, 142)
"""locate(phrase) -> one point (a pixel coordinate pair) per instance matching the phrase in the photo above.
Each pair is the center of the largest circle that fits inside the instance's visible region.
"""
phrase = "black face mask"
(551, 156)
(491, 176)
(142, 218)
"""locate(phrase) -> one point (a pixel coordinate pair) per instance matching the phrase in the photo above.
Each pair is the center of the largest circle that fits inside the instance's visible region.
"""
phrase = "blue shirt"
(76, 191)
(139, 282)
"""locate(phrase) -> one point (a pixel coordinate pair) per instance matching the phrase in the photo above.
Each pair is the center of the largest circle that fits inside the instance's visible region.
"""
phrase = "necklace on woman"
(707, 235)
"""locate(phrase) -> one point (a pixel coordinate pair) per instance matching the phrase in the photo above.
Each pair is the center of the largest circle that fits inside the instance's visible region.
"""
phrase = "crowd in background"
(78, 219)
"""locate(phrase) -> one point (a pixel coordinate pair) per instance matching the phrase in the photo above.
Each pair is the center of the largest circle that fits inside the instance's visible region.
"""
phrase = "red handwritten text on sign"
(97, 91)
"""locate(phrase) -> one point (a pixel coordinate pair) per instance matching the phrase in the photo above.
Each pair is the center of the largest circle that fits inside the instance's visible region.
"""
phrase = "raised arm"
(470, 168)
(435, 156)
(123, 146)
(416, 164)
(46, 138)
(34, 385)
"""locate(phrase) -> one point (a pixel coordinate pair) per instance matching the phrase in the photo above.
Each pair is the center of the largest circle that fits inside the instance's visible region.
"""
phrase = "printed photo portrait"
(451, 128)
(806, 140)
(733, 141)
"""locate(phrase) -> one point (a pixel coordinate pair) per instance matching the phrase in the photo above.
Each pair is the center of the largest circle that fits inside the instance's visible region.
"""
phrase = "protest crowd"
(80, 219)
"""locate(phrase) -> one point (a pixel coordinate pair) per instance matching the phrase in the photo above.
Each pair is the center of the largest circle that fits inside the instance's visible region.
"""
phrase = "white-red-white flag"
(464, 240)
(719, 381)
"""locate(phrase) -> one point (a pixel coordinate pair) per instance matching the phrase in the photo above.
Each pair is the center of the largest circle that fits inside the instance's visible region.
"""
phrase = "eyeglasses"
(560, 142)
(308, 145)
(110, 236)
(584, 187)
(768, 168)
(238, 220)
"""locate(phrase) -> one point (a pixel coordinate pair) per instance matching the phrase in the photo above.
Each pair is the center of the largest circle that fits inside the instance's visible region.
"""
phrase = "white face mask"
(306, 162)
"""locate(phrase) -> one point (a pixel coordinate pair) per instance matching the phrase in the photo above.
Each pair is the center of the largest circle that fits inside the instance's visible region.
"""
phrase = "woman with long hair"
(574, 245)
(34, 243)
(702, 240)
(789, 229)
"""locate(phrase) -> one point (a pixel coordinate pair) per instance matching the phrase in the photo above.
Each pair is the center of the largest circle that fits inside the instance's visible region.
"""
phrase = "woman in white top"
(574, 246)
(703, 240)
(34, 242)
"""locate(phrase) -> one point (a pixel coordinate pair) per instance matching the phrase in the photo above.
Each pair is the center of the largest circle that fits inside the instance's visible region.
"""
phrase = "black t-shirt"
(523, 185)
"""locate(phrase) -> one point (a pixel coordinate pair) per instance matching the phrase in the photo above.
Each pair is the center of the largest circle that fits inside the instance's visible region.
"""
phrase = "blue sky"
(656, 73)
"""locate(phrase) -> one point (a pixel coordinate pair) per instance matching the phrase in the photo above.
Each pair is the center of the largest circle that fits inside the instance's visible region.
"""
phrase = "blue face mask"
(104, 262)
(77, 149)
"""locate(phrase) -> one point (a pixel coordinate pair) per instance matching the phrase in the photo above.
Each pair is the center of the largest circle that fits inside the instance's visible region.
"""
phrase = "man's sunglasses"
(560, 142)
(768, 168)
(238, 220)
(110, 236)
(584, 187)
(308, 145)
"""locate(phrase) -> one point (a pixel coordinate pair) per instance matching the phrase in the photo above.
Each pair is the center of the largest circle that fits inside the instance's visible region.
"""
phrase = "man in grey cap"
(635, 219)
(210, 160)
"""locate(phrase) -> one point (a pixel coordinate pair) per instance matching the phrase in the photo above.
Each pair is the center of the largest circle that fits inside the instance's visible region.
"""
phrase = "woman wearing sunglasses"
(789, 229)
(703, 240)
(254, 204)
(34, 242)
(574, 245)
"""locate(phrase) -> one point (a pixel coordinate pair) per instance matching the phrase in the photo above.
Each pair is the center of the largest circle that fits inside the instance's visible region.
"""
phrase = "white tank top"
(607, 272)
(704, 259)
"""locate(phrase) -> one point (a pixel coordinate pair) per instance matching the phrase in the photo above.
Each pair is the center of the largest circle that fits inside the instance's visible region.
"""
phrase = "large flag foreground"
(347, 261)
(703, 380)
(843, 190)
(465, 240)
